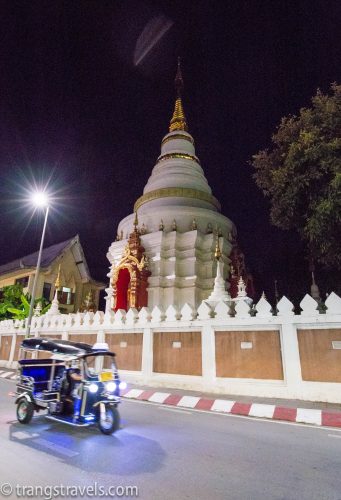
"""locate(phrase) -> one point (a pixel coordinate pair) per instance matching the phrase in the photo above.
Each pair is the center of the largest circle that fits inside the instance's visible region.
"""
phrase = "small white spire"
(37, 310)
(241, 288)
(54, 309)
(219, 292)
(242, 294)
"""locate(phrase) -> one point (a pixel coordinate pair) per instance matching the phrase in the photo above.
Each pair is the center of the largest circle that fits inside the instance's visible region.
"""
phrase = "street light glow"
(40, 199)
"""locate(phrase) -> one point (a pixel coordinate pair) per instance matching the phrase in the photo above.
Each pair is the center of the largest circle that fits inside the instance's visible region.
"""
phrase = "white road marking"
(56, 447)
(309, 416)
(334, 436)
(188, 401)
(259, 410)
(24, 435)
(222, 405)
(134, 393)
(14, 377)
(1, 371)
(159, 397)
(6, 374)
(176, 410)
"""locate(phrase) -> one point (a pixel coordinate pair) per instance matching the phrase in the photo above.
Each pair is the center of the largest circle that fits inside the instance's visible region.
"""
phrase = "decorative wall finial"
(178, 121)
(174, 226)
(161, 225)
(194, 225)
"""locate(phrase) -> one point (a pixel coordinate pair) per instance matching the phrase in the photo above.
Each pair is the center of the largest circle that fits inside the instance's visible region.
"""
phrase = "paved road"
(174, 454)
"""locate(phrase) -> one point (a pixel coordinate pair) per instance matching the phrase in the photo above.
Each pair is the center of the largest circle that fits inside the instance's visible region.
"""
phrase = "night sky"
(87, 94)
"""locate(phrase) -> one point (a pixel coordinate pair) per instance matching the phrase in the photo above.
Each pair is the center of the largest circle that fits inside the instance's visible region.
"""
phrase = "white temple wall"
(285, 356)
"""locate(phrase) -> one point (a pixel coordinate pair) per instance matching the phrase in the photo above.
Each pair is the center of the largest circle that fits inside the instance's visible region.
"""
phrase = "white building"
(178, 219)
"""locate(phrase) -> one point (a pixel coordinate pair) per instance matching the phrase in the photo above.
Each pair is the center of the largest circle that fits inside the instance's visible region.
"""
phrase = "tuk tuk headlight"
(93, 388)
(111, 387)
(122, 386)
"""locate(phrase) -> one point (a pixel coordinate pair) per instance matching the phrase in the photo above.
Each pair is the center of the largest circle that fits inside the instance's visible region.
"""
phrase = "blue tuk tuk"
(78, 384)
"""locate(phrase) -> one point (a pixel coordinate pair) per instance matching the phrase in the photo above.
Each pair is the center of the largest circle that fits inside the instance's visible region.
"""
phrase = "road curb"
(321, 418)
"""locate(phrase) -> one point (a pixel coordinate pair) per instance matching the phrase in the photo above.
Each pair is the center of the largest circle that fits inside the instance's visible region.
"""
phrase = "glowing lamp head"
(40, 199)
(111, 386)
(122, 386)
(93, 388)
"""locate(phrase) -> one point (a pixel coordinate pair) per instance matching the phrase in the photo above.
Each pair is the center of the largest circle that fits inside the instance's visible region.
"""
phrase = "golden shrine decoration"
(134, 260)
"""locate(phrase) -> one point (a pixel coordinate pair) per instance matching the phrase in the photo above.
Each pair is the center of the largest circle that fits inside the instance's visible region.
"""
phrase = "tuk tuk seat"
(40, 371)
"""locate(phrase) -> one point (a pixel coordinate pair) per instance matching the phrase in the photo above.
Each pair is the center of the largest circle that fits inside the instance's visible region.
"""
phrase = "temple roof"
(48, 255)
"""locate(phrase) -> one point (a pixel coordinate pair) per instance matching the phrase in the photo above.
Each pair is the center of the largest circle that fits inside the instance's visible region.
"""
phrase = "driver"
(75, 379)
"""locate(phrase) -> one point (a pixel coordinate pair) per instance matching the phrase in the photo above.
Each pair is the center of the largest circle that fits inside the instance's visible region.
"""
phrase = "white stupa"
(178, 217)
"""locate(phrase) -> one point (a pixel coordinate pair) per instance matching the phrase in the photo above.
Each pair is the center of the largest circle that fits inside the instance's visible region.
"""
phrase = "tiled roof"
(49, 254)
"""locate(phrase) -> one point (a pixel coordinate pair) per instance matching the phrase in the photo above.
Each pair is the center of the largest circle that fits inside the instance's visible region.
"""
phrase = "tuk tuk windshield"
(98, 366)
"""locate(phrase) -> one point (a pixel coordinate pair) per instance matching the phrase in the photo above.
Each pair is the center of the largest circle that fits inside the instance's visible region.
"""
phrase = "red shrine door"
(123, 290)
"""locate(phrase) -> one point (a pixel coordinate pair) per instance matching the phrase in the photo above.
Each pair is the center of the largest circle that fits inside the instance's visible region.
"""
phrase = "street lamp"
(39, 199)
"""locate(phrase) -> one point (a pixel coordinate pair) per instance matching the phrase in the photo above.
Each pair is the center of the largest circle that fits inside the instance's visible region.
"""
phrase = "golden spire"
(217, 253)
(58, 282)
(178, 121)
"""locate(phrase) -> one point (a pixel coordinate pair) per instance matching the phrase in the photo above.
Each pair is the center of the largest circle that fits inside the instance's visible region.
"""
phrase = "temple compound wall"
(216, 349)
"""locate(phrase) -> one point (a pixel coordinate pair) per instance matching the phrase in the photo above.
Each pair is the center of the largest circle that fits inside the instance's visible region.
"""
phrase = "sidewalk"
(307, 412)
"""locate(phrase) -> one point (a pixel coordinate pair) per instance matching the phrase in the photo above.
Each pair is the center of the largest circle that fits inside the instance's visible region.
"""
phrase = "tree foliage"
(301, 174)
(16, 305)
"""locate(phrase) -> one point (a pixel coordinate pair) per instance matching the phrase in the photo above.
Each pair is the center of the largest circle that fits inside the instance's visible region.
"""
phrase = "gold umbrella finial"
(136, 221)
(217, 253)
(58, 281)
(178, 121)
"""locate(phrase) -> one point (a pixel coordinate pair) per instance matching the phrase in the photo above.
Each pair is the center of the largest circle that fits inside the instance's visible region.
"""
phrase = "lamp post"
(40, 200)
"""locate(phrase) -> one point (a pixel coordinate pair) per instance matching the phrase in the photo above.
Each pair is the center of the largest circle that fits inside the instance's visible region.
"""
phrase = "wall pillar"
(208, 355)
(100, 337)
(12, 352)
(291, 357)
(147, 354)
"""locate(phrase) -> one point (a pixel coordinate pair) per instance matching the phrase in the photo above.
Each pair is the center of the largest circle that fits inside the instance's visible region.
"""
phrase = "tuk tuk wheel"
(25, 410)
(111, 422)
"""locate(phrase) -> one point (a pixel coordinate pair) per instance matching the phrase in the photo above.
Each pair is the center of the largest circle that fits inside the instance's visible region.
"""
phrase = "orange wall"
(263, 361)
(129, 357)
(319, 361)
(185, 361)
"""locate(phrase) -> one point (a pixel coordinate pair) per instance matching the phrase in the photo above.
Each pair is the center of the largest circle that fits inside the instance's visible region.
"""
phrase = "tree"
(10, 297)
(15, 305)
(301, 175)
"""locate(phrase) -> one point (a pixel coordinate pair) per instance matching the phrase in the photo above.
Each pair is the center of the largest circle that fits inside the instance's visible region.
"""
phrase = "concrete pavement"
(171, 453)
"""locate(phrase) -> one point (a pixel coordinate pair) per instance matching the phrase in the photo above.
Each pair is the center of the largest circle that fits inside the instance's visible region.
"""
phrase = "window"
(47, 291)
(22, 281)
(65, 296)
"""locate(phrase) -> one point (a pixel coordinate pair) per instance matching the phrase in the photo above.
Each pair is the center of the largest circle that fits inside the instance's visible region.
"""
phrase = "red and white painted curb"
(327, 418)
(8, 375)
